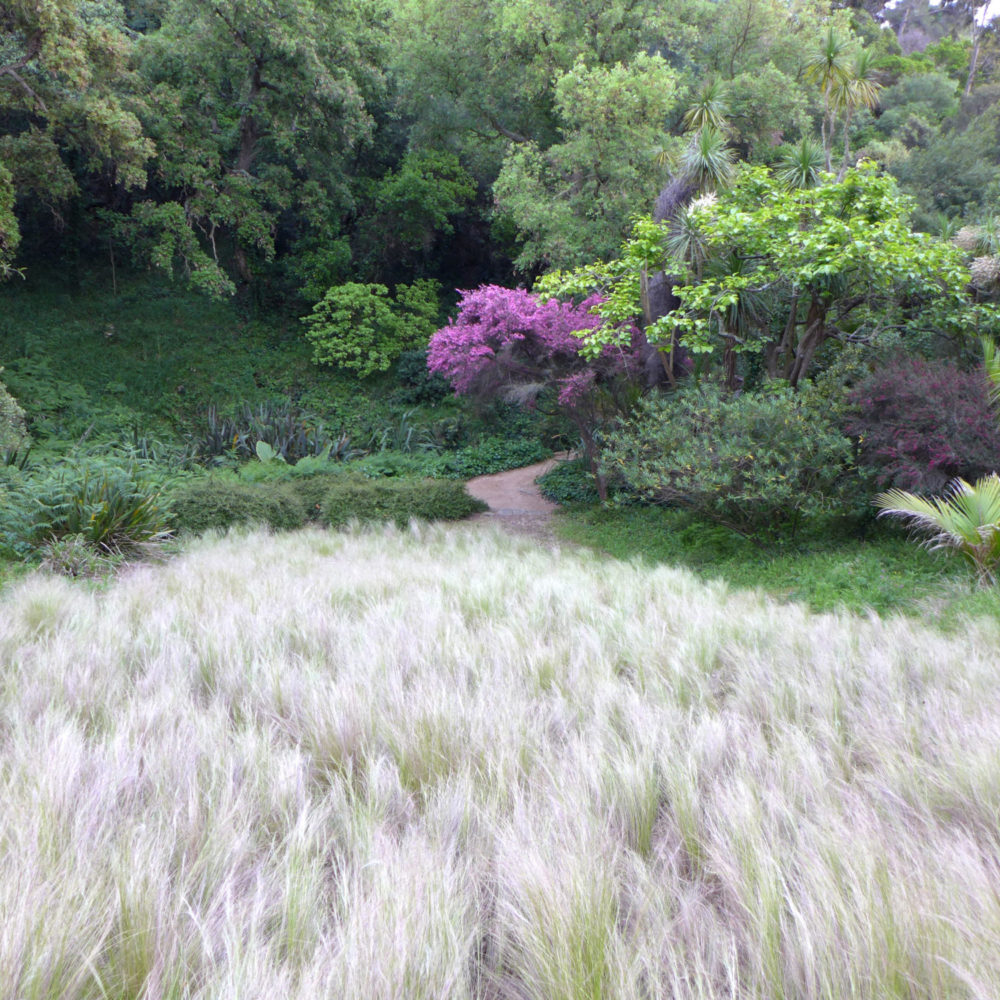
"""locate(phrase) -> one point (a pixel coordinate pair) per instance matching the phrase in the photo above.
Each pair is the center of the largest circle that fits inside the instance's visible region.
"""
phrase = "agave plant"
(966, 518)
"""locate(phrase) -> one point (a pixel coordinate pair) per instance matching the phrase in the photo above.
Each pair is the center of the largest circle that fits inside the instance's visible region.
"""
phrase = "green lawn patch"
(884, 571)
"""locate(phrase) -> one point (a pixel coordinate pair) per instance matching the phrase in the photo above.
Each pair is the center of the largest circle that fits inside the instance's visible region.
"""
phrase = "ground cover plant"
(442, 763)
(828, 566)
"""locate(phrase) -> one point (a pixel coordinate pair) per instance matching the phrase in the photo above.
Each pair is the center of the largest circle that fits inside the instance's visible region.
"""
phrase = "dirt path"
(515, 501)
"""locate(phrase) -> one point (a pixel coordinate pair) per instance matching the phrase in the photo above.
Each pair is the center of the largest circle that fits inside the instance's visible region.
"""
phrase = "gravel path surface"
(515, 502)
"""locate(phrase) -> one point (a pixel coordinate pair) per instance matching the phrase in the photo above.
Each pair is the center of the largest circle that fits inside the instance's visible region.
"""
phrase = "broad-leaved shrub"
(755, 463)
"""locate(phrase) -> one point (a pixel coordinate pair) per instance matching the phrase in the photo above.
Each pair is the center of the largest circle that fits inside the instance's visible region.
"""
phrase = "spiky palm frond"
(686, 241)
(857, 88)
(828, 67)
(708, 108)
(966, 518)
(947, 228)
(800, 165)
(708, 161)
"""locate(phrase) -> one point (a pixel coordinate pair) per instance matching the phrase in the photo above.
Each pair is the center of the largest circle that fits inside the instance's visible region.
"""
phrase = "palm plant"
(800, 166)
(858, 89)
(966, 518)
(708, 162)
(829, 70)
(708, 108)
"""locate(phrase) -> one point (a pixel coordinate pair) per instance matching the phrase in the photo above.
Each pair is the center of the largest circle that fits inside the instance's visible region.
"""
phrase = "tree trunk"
(847, 145)
(779, 352)
(977, 35)
(811, 340)
(590, 453)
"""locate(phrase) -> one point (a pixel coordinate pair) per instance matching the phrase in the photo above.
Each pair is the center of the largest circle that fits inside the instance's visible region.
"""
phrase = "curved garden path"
(515, 502)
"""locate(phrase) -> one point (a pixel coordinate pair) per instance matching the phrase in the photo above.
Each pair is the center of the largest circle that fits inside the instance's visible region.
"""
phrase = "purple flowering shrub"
(506, 342)
(921, 423)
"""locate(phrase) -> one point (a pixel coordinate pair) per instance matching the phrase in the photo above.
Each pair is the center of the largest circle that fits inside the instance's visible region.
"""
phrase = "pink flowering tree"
(509, 344)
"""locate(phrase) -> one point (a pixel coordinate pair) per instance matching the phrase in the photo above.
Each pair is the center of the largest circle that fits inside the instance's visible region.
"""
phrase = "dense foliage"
(756, 464)
(920, 424)
(750, 196)
(509, 343)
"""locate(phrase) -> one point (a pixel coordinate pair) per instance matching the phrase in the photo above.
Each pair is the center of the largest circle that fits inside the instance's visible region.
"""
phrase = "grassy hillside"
(152, 358)
(442, 763)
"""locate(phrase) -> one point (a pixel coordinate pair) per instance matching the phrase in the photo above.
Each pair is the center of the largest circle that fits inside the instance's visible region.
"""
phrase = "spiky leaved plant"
(966, 518)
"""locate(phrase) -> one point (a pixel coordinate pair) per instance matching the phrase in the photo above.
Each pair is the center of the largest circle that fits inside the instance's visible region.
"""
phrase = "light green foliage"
(573, 200)
(12, 427)
(766, 105)
(363, 329)
(966, 518)
(831, 261)
(754, 463)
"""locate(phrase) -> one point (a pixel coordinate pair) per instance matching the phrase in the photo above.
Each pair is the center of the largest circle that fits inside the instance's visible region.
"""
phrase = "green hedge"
(397, 500)
(220, 503)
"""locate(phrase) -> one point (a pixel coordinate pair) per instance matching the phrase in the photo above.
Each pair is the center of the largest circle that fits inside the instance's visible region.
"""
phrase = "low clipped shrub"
(920, 424)
(220, 502)
(754, 463)
(397, 500)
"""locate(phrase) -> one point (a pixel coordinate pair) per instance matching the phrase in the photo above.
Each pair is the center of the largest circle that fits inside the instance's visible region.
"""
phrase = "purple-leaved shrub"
(511, 344)
(919, 424)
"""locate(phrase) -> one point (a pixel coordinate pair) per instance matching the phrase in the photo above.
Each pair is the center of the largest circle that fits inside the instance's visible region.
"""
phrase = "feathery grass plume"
(438, 762)
(966, 518)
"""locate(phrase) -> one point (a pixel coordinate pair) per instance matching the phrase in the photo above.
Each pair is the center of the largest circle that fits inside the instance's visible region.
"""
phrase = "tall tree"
(63, 109)
(573, 200)
(256, 107)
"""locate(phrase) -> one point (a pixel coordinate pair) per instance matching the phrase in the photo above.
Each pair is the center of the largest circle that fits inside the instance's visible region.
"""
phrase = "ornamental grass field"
(441, 763)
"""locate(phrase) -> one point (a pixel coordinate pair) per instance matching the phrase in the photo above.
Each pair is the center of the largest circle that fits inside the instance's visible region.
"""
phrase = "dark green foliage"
(492, 454)
(417, 384)
(292, 433)
(754, 463)
(397, 500)
(221, 502)
(113, 507)
(569, 482)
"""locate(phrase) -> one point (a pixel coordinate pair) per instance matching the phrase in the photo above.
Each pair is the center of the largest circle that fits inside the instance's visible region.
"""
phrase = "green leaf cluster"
(364, 329)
